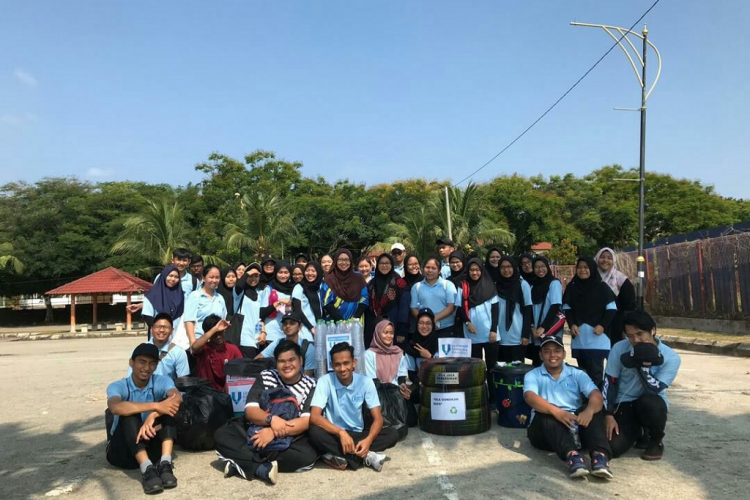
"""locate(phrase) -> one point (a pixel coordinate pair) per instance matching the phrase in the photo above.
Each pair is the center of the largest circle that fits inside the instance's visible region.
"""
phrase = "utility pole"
(448, 213)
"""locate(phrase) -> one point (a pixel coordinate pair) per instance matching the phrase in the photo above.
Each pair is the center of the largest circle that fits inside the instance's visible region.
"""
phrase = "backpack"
(281, 402)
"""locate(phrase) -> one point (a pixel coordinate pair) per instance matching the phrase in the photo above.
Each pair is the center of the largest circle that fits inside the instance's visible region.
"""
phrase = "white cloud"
(16, 120)
(25, 77)
(100, 172)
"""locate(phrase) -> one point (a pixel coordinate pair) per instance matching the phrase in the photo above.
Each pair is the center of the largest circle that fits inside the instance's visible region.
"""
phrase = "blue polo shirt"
(554, 296)
(174, 363)
(251, 310)
(588, 344)
(154, 392)
(200, 305)
(399, 270)
(445, 270)
(630, 386)
(567, 392)
(273, 325)
(299, 294)
(342, 405)
(512, 336)
(436, 298)
(309, 355)
(481, 318)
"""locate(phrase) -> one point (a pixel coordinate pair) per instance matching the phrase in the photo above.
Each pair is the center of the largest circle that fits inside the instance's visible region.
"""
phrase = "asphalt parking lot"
(52, 442)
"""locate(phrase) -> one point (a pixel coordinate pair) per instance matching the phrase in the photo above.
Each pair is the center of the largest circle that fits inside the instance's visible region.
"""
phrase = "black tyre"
(477, 421)
(476, 397)
(452, 372)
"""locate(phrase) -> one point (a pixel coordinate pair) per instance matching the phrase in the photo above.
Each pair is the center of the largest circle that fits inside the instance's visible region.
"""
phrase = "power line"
(560, 99)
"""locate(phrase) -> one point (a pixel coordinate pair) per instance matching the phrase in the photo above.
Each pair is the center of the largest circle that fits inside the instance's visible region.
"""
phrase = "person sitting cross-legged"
(337, 427)
(253, 460)
(143, 430)
(555, 392)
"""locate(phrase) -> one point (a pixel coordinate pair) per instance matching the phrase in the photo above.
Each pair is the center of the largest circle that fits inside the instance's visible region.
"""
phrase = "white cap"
(398, 246)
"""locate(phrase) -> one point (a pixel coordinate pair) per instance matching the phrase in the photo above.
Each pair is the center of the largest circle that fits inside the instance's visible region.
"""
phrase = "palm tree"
(265, 221)
(155, 233)
(416, 231)
(8, 261)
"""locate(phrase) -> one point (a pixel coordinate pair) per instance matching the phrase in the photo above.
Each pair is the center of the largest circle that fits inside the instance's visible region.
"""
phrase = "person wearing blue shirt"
(279, 301)
(143, 428)
(204, 302)
(546, 299)
(337, 427)
(255, 295)
(306, 297)
(555, 392)
(515, 311)
(173, 361)
(589, 307)
(436, 294)
(445, 248)
(639, 371)
(291, 324)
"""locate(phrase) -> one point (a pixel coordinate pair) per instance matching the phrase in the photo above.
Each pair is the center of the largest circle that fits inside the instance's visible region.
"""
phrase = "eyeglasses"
(396, 252)
(424, 323)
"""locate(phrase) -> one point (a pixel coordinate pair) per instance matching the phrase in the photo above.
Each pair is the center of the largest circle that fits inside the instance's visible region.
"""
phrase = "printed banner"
(332, 340)
(238, 388)
(454, 348)
(448, 406)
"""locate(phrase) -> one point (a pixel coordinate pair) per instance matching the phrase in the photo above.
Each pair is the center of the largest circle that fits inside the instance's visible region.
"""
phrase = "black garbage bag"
(203, 410)
(245, 367)
(393, 407)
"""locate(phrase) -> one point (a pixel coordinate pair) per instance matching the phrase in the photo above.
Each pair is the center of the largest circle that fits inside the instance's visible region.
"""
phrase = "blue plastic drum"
(512, 409)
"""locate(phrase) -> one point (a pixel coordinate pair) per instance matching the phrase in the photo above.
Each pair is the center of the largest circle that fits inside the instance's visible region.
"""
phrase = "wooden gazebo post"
(72, 313)
(128, 317)
(93, 312)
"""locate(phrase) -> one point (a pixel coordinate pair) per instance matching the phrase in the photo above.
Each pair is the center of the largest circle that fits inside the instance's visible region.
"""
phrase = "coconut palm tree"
(416, 231)
(8, 261)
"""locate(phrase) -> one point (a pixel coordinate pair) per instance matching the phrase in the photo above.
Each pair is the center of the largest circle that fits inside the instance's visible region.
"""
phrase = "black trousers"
(547, 433)
(491, 352)
(509, 353)
(249, 351)
(648, 412)
(192, 363)
(594, 367)
(231, 443)
(328, 443)
(122, 448)
(445, 333)
(532, 353)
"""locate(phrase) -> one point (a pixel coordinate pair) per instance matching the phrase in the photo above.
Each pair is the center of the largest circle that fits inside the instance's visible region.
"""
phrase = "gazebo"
(106, 281)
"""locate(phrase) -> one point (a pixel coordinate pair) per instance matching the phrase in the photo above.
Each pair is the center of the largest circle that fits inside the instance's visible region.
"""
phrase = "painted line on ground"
(433, 457)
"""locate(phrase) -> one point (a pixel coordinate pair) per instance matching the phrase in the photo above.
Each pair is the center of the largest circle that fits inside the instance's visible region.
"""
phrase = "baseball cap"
(144, 349)
(552, 340)
(398, 246)
(294, 316)
(446, 241)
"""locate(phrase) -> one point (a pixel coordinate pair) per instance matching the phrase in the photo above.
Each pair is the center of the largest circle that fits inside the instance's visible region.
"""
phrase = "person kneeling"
(555, 391)
(143, 428)
(249, 457)
(336, 420)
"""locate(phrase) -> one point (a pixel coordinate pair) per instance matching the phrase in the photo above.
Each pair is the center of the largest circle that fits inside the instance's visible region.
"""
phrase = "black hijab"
(457, 277)
(588, 298)
(311, 289)
(481, 290)
(265, 278)
(529, 278)
(379, 284)
(430, 342)
(411, 279)
(385, 289)
(494, 272)
(541, 285)
(165, 299)
(304, 256)
(225, 291)
(284, 287)
(510, 290)
(251, 292)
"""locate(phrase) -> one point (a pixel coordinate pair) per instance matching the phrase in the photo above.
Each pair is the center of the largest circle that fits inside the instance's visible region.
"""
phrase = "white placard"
(448, 406)
(332, 340)
(238, 388)
(454, 348)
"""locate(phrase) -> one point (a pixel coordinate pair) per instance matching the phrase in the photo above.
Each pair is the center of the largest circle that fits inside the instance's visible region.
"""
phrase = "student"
(250, 461)
(239, 270)
(204, 302)
(143, 430)
(344, 292)
(639, 371)
(555, 392)
(301, 259)
(478, 311)
(192, 280)
(398, 252)
(589, 306)
(268, 270)
(526, 267)
(228, 289)
(413, 272)
(546, 299)
(165, 297)
(306, 297)
(458, 274)
(326, 262)
(389, 299)
(337, 428)
(173, 361)
(213, 352)
(298, 273)
(180, 260)
(279, 301)
(445, 248)
(621, 286)
(385, 361)
(364, 267)
(436, 294)
(254, 296)
(291, 324)
(492, 263)
(514, 298)
(423, 345)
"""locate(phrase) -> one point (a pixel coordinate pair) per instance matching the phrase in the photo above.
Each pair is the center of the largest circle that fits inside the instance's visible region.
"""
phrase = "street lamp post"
(641, 76)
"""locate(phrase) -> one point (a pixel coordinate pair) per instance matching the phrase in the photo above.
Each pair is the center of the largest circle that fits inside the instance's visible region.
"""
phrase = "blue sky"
(372, 91)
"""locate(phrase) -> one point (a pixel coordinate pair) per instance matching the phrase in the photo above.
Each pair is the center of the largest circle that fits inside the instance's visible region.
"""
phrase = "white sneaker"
(375, 460)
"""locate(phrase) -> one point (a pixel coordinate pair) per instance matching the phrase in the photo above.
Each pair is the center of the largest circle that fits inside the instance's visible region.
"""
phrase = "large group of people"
(511, 309)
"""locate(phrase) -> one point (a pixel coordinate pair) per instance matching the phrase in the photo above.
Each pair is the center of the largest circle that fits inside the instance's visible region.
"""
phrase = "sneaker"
(600, 466)
(375, 460)
(334, 461)
(230, 470)
(268, 471)
(577, 466)
(165, 474)
(654, 452)
(643, 441)
(152, 481)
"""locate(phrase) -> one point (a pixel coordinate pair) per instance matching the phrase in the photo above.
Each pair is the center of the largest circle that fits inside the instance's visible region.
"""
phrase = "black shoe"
(165, 473)
(151, 481)
(268, 471)
(643, 441)
(654, 452)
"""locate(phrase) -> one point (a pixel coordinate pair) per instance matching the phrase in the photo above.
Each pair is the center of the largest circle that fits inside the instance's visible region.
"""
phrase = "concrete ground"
(52, 443)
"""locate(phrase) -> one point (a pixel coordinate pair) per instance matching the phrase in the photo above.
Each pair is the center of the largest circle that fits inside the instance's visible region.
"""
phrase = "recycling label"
(448, 406)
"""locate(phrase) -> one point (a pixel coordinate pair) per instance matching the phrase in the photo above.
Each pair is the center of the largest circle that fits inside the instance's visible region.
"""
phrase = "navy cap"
(144, 349)
(446, 241)
(294, 316)
(552, 340)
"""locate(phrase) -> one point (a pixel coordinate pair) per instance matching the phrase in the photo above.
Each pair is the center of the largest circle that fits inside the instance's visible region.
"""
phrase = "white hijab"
(613, 277)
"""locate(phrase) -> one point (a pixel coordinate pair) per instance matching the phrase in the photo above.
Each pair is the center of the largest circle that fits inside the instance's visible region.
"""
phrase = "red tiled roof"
(109, 280)
(542, 245)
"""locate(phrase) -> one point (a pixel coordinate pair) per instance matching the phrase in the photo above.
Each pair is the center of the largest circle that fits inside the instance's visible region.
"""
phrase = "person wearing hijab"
(344, 292)
(526, 265)
(546, 298)
(621, 286)
(437, 294)
(239, 270)
(301, 259)
(412, 271)
(458, 273)
(229, 290)
(515, 321)
(298, 273)
(389, 299)
(424, 344)
(254, 297)
(492, 263)
(384, 360)
(478, 310)
(589, 307)
(279, 301)
(267, 269)
(165, 296)
(306, 297)
(326, 262)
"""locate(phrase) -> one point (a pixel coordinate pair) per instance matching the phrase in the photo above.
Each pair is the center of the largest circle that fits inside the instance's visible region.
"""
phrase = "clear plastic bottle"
(321, 366)
(358, 341)
(574, 434)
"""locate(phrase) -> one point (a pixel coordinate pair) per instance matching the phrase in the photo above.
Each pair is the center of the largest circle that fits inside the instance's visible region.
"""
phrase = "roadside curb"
(722, 347)
(69, 335)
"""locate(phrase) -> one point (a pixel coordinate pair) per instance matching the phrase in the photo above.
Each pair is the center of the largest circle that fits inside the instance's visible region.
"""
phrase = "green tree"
(564, 253)
(8, 261)
(417, 231)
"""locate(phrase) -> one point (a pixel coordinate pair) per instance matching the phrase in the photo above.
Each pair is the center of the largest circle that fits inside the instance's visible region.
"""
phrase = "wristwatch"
(268, 419)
